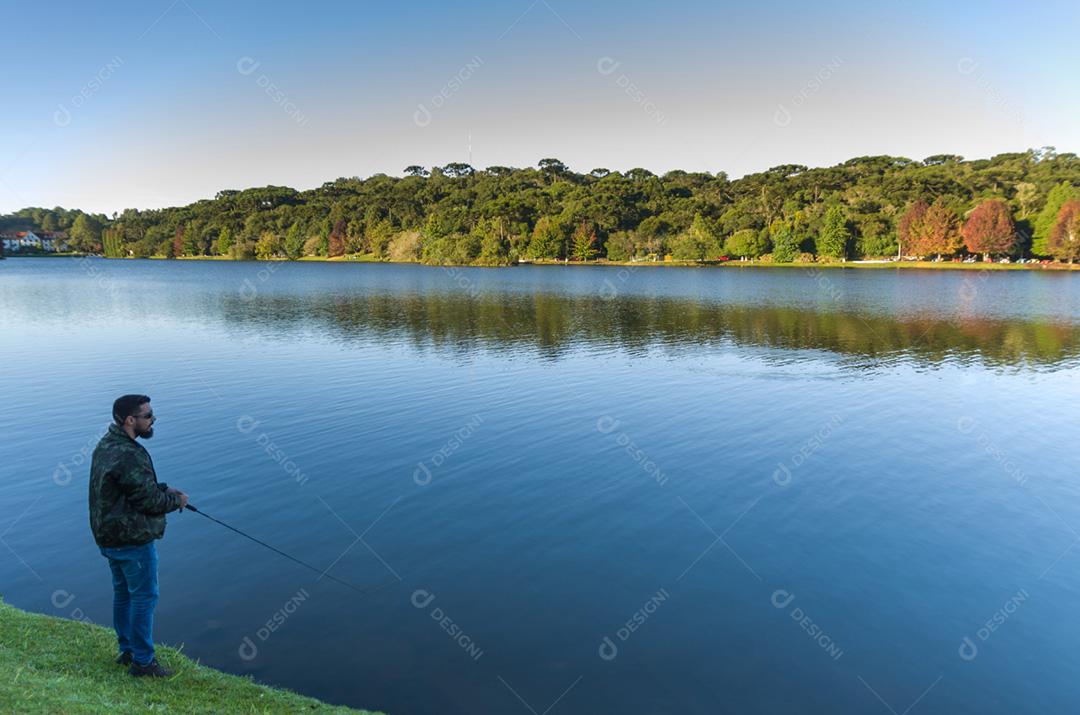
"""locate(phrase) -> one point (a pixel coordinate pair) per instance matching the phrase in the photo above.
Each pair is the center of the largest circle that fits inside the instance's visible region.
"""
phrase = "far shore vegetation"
(1013, 210)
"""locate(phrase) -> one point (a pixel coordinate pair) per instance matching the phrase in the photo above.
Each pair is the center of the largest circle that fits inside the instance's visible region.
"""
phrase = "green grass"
(55, 665)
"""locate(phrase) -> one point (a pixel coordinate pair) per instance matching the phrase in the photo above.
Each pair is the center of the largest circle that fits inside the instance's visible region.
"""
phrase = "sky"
(165, 102)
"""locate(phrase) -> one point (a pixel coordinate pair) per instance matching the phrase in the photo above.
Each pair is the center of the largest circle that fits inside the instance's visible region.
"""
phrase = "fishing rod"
(365, 591)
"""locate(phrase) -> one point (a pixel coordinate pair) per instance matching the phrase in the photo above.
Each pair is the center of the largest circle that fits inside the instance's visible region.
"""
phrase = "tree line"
(1023, 204)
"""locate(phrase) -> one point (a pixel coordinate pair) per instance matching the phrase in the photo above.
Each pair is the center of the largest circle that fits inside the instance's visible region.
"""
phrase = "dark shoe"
(124, 658)
(153, 669)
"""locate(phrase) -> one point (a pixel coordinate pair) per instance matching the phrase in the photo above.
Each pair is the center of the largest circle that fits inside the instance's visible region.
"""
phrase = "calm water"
(580, 490)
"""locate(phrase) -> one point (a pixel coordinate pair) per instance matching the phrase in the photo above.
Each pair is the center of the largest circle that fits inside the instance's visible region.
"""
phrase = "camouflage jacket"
(127, 503)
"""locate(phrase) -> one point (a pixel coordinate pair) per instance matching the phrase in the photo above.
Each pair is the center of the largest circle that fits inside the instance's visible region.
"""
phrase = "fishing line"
(319, 571)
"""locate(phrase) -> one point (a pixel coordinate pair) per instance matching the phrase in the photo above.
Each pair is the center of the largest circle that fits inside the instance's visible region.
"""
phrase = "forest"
(1015, 205)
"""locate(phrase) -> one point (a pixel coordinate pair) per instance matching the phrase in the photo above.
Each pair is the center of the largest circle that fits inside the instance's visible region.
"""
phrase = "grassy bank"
(55, 665)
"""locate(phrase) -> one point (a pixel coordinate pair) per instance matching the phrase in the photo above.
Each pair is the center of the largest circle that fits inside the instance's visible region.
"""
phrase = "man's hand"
(183, 497)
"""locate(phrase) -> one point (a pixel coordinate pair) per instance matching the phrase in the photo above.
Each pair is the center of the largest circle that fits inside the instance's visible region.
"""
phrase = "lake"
(572, 489)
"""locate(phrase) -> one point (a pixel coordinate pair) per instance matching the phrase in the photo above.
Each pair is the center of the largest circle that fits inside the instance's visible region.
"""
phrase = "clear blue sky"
(158, 103)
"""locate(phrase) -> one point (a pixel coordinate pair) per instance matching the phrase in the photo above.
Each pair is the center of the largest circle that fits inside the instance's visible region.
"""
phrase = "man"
(127, 514)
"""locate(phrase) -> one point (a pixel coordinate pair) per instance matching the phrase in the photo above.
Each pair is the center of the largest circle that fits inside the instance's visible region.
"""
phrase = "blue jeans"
(135, 593)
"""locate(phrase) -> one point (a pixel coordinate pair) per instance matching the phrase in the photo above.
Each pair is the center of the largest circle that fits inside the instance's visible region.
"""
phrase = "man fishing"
(127, 515)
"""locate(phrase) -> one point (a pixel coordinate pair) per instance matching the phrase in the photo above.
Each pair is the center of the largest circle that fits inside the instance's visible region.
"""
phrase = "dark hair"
(126, 406)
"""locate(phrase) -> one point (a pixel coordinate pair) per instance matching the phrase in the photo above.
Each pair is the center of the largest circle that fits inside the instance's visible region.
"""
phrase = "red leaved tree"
(336, 242)
(989, 229)
(910, 228)
(940, 230)
(178, 243)
(1064, 239)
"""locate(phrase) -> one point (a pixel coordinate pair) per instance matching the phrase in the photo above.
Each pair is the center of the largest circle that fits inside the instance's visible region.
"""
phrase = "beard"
(147, 433)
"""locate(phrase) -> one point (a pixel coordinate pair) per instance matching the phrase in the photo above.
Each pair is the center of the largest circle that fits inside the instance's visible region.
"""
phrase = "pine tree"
(835, 234)
(546, 240)
(584, 243)
(111, 242)
(785, 245)
(294, 242)
(224, 243)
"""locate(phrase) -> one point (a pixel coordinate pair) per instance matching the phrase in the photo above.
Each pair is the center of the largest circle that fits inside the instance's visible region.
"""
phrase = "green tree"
(268, 246)
(619, 246)
(224, 243)
(875, 236)
(111, 239)
(696, 243)
(193, 240)
(378, 236)
(747, 243)
(494, 248)
(294, 242)
(85, 234)
(785, 244)
(584, 243)
(547, 239)
(835, 236)
(1048, 217)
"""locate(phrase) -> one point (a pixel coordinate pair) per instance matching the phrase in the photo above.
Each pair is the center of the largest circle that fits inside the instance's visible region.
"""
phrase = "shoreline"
(871, 265)
(53, 664)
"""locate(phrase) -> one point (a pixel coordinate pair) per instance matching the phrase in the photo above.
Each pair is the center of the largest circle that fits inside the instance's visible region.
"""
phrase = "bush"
(746, 243)
(313, 246)
(455, 249)
(619, 246)
(405, 247)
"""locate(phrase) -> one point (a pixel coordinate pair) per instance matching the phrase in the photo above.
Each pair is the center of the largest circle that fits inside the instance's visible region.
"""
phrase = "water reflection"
(552, 323)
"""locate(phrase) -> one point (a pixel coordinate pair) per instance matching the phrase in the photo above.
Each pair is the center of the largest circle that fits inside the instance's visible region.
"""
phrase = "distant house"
(11, 242)
(48, 241)
(53, 241)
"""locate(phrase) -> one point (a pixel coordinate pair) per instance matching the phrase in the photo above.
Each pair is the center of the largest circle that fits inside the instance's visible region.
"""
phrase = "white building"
(34, 240)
